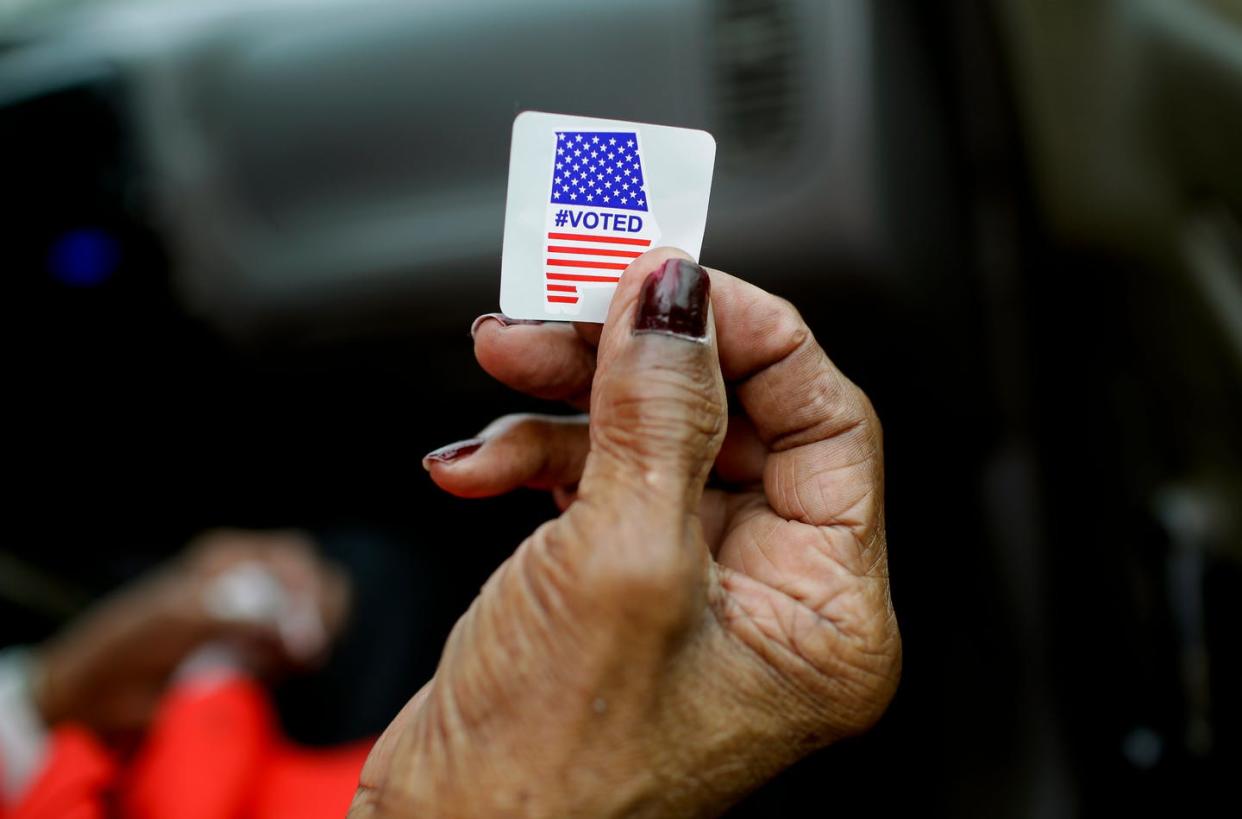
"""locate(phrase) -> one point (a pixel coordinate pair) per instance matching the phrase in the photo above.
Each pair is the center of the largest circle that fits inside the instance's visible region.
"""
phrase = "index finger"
(788, 385)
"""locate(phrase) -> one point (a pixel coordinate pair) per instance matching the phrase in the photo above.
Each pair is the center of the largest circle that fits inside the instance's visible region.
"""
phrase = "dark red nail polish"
(674, 301)
(500, 318)
(454, 451)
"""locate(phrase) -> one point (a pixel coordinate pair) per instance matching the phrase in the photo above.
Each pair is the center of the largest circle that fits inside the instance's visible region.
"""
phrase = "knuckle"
(662, 411)
(797, 329)
(861, 402)
(649, 580)
(631, 574)
(869, 434)
(789, 328)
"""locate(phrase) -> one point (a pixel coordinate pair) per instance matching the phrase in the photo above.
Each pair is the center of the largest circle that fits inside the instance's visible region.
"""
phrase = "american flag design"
(599, 213)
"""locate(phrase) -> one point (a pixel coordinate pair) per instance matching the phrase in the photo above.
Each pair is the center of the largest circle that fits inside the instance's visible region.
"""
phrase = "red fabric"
(301, 783)
(203, 755)
(73, 785)
(213, 752)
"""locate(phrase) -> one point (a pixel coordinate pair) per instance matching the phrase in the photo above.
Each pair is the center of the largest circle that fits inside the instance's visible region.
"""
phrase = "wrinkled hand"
(110, 667)
(659, 649)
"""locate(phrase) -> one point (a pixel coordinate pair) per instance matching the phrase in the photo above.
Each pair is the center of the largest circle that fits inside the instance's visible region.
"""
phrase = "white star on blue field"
(599, 169)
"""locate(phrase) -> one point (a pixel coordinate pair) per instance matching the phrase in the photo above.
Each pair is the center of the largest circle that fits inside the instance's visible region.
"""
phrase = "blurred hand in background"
(264, 599)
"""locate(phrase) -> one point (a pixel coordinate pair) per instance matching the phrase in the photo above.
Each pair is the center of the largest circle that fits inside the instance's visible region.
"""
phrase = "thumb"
(658, 411)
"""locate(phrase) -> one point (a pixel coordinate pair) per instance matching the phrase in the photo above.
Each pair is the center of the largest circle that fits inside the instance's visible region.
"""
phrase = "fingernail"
(452, 452)
(504, 321)
(674, 301)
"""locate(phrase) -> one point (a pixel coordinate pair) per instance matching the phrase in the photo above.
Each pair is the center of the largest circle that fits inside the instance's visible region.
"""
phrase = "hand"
(659, 649)
(110, 667)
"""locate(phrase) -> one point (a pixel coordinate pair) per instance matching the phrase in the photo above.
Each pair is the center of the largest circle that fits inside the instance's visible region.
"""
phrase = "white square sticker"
(588, 196)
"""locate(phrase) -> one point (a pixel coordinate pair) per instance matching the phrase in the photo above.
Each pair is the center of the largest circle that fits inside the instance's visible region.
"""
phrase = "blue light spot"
(86, 257)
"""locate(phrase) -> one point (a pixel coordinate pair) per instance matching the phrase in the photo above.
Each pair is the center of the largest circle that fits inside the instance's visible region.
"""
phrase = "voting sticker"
(587, 197)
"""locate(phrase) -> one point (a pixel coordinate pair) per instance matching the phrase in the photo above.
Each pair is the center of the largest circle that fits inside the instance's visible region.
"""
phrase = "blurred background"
(245, 241)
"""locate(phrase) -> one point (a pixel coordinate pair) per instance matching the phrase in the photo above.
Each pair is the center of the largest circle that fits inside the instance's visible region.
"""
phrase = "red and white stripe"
(574, 258)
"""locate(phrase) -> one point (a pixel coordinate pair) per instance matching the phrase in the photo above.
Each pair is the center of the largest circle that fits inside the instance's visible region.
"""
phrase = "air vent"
(756, 75)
